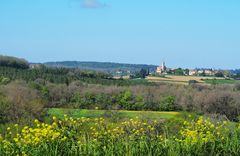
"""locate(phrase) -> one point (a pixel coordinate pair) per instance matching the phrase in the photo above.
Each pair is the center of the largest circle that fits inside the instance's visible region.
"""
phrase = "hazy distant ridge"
(102, 66)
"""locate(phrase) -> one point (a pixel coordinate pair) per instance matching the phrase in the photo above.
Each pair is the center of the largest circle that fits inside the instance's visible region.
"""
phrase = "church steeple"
(163, 66)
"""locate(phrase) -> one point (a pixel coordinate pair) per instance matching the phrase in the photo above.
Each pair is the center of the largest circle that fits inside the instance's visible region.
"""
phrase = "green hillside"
(102, 66)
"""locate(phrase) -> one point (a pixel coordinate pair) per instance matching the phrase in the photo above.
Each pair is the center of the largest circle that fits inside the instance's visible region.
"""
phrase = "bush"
(21, 102)
(167, 104)
(219, 74)
(190, 82)
(218, 102)
(236, 87)
(4, 80)
(4, 109)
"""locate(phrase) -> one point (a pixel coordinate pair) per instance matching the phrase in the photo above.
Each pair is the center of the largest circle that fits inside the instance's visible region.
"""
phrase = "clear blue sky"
(184, 33)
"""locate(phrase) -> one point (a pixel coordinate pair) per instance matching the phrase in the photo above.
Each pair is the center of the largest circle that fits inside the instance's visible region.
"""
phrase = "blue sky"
(184, 33)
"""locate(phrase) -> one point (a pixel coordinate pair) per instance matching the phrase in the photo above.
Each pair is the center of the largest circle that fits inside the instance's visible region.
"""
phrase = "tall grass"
(85, 136)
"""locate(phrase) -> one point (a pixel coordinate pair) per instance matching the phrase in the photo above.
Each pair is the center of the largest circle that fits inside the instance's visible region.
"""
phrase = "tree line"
(21, 99)
(65, 76)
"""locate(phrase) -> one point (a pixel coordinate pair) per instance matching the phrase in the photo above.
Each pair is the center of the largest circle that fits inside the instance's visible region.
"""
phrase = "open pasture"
(120, 114)
(181, 79)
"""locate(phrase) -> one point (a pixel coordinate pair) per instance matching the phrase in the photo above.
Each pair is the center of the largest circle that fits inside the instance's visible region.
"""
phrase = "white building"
(162, 69)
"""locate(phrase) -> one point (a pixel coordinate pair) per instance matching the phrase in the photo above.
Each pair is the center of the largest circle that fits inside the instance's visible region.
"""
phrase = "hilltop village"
(163, 69)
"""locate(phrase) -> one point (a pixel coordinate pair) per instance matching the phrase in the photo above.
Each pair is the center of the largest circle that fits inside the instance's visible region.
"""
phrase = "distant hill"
(102, 66)
(236, 71)
(9, 61)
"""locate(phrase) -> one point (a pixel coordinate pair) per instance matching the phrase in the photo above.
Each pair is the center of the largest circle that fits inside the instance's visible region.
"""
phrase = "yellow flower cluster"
(137, 127)
(39, 134)
(201, 131)
(101, 130)
(99, 133)
(98, 129)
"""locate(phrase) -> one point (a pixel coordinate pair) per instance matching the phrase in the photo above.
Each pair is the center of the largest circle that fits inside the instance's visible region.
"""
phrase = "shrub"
(4, 109)
(190, 82)
(167, 104)
(4, 80)
(22, 102)
(218, 102)
(236, 87)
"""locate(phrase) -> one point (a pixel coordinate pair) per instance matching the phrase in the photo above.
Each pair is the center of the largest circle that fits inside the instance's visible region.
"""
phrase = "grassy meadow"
(220, 81)
(119, 114)
(174, 79)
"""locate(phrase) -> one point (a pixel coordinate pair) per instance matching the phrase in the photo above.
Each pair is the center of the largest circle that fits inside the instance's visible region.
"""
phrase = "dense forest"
(19, 69)
(65, 76)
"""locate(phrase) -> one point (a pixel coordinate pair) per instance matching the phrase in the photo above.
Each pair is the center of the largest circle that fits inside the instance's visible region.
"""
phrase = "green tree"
(45, 92)
(219, 74)
(186, 71)
(142, 73)
(126, 99)
(139, 103)
(76, 100)
(167, 104)
(179, 71)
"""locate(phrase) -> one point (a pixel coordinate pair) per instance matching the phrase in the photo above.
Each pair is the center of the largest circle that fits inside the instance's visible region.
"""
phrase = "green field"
(220, 81)
(185, 79)
(120, 114)
(176, 79)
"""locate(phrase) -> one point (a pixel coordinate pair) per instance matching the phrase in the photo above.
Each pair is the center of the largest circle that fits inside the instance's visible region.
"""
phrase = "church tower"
(161, 69)
(163, 66)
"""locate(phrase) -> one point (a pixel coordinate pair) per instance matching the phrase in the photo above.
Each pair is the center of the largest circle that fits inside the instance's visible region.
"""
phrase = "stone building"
(162, 69)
